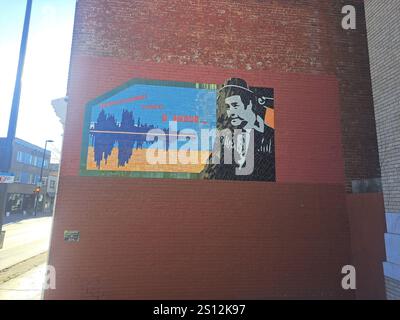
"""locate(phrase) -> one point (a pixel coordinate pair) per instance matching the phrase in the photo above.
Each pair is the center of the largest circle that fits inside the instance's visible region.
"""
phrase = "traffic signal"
(37, 190)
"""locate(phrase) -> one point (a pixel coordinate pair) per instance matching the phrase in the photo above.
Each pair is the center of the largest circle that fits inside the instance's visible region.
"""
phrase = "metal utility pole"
(41, 175)
(12, 126)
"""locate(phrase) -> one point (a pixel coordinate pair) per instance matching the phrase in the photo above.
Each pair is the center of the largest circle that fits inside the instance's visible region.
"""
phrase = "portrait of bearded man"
(244, 148)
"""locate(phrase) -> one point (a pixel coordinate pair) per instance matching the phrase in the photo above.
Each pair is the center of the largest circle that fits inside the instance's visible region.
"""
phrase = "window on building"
(28, 158)
(52, 184)
(37, 180)
(25, 158)
(25, 178)
(14, 203)
(28, 203)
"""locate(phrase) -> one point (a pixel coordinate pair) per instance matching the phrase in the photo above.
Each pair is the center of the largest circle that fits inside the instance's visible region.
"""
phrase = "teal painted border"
(133, 174)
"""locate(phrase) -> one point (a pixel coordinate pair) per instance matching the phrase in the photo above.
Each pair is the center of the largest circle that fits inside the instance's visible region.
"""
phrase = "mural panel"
(163, 129)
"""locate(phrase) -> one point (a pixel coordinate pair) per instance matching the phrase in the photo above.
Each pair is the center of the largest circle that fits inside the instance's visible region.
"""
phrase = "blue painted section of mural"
(150, 103)
(123, 120)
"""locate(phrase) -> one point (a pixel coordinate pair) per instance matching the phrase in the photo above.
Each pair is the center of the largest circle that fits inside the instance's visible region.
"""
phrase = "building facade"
(52, 184)
(26, 165)
(384, 47)
(187, 232)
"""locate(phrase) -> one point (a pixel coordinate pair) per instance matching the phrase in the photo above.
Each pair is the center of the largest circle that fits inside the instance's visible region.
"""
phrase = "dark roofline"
(32, 146)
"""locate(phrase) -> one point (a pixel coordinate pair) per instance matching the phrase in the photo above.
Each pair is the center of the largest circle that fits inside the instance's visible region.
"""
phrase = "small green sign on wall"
(72, 236)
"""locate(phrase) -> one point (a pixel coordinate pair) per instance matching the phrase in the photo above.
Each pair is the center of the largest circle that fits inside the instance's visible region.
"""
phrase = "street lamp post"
(41, 174)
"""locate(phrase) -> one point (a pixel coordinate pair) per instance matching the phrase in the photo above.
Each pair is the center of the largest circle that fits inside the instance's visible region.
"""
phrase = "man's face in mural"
(239, 114)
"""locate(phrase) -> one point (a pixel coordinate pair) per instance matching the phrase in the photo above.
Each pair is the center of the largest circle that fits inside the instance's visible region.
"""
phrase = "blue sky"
(46, 66)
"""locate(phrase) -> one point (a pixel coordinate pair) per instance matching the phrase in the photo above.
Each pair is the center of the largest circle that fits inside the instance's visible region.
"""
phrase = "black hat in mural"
(235, 84)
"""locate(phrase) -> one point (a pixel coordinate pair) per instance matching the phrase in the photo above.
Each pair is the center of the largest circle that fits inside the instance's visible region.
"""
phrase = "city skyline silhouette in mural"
(126, 134)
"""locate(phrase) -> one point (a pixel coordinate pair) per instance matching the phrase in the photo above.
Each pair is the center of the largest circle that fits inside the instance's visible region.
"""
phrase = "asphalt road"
(24, 240)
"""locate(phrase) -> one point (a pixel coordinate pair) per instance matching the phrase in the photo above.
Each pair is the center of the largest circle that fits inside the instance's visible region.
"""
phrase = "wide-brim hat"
(236, 83)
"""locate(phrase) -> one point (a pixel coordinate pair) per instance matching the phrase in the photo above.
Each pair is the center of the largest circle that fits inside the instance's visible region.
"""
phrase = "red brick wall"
(196, 239)
(157, 239)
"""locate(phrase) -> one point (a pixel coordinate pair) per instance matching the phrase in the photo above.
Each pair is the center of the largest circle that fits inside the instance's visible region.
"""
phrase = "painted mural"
(164, 129)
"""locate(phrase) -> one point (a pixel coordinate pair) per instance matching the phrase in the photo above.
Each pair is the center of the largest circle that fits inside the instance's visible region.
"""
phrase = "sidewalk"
(27, 286)
(23, 259)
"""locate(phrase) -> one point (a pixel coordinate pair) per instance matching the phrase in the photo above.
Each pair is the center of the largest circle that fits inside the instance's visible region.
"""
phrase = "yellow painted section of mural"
(138, 162)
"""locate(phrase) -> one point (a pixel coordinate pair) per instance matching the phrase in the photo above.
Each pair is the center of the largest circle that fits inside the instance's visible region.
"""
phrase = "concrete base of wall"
(392, 289)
